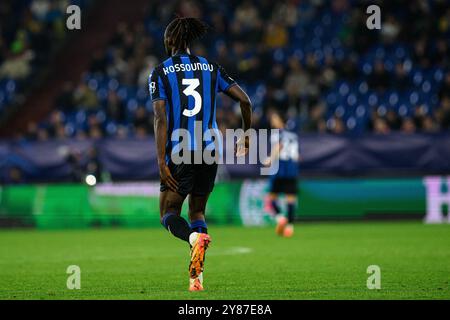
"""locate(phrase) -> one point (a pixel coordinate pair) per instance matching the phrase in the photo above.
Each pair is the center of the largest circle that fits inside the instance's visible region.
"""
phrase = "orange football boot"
(195, 285)
(281, 224)
(198, 255)
(288, 231)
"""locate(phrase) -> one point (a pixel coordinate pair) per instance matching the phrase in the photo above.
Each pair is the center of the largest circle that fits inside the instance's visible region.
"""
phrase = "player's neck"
(182, 51)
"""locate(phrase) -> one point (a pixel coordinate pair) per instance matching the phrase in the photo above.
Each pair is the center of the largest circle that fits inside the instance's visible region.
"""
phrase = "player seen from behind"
(285, 149)
(184, 90)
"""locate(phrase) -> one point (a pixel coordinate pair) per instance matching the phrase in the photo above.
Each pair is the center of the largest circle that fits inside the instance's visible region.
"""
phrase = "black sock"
(177, 226)
(291, 212)
(275, 207)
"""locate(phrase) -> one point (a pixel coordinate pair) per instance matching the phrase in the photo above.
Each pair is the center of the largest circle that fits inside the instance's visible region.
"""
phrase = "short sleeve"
(225, 81)
(156, 87)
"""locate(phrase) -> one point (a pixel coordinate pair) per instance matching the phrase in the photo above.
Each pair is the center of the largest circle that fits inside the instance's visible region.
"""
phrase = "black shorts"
(197, 179)
(284, 185)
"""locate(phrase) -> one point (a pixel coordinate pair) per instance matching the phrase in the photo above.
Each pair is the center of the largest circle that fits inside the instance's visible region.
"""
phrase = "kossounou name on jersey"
(189, 85)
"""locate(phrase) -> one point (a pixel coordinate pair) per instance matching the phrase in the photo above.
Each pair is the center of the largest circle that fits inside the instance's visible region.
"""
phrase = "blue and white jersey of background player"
(289, 154)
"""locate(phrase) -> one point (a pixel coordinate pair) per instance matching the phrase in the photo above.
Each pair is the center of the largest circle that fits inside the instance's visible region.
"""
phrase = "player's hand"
(267, 162)
(167, 178)
(242, 146)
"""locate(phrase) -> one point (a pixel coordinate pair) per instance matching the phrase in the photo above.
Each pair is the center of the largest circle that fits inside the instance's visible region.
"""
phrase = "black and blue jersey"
(289, 154)
(189, 84)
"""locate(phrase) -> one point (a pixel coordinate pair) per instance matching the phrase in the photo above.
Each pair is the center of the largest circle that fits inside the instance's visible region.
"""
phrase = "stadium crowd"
(30, 31)
(316, 61)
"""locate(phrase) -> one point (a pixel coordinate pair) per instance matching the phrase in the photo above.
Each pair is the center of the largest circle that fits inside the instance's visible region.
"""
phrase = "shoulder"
(202, 59)
(156, 71)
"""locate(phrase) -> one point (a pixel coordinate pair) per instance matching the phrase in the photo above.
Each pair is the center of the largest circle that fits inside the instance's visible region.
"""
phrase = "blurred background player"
(183, 90)
(285, 149)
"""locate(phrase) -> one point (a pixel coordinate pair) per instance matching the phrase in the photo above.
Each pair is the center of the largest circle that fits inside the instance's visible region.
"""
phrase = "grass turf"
(321, 261)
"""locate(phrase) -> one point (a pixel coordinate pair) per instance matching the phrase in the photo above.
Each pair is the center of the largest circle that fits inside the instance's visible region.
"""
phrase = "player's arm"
(160, 126)
(237, 94)
(228, 86)
(159, 98)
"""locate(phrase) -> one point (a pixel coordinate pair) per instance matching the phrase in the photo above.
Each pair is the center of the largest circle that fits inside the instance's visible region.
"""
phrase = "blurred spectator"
(392, 120)
(142, 123)
(115, 108)
(390, 29)
(315, 121)
(400, 80)
(17, 67)
(32, 131)
(337, 126)
(408, 126)
(429, 125)
(85, 97)
(379, 79)
(276, 35)
(380, 126)
(443, 113)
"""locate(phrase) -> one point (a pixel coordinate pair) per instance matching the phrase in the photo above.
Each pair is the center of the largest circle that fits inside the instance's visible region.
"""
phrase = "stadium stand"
(30, 33)
(314, 60)
(335, 79)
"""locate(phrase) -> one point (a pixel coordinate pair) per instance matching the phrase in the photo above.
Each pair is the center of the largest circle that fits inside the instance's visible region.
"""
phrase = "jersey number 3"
(190, 91)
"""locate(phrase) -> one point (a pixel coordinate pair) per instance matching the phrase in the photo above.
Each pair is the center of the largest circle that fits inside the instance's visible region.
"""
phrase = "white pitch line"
(230, 251)
(138, 255)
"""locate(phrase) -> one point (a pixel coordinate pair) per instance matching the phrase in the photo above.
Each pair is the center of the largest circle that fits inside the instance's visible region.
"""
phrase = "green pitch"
(322, 261)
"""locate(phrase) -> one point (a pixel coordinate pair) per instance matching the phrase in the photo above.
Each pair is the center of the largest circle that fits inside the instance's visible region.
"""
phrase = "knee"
(170, 208)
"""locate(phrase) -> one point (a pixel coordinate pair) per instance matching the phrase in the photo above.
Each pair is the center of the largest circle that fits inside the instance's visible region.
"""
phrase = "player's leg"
(273, 202)
(170, 214)
(197, 206)
(280, 219)
(277, 187)
(291, 200)
(272, 197)
(205, 176)
(171, 202)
